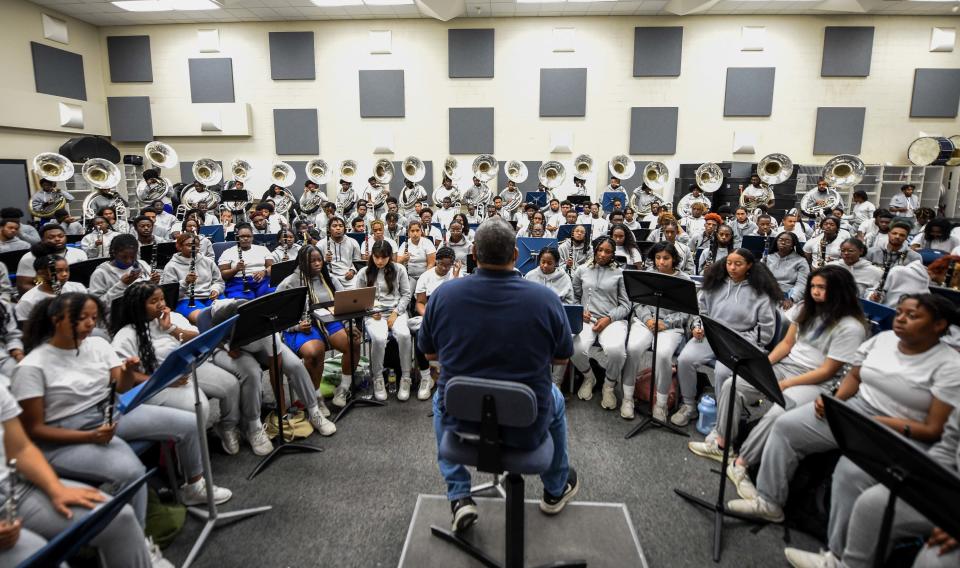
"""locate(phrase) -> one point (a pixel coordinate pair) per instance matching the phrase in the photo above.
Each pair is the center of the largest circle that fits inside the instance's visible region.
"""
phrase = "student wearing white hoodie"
(914, 278)
(204, 276)
(740, 293)
(110, 280)
(866, 275)
(548, 273)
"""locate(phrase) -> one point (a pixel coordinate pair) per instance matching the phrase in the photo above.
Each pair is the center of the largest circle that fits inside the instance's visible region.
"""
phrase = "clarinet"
(305, 316)
(55, 285)
(191, 288)
(100, 238)
(243, 271)
(11, 504)
(948, 278)
(111, 404)
(712, 252)
(766, 248)
(286, 253)
(823, 252)
(153, 259)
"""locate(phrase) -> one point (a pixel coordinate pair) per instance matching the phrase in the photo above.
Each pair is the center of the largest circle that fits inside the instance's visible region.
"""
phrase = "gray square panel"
(130, 119)
(211, 80)
(529, 184)
(186, 173)
(936, 93)
(847, 51)
(653, 130)
(381, 94)
(129, 58)
(471, 130)
(839, 130)
(657, 51)
(563, 92)
(295, 131)
(470, 53)
(58, 72)
(749, 91)
(15, 184)
(396, 184)
(292, 56)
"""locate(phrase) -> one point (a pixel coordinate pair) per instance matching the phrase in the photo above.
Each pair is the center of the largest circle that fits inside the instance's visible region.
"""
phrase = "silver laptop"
(353, 301)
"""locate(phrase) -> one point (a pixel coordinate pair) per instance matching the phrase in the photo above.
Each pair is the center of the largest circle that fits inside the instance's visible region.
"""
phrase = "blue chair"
(218, 248)
(880, 316)
(492, 406)
(65, 544)
(930, 255)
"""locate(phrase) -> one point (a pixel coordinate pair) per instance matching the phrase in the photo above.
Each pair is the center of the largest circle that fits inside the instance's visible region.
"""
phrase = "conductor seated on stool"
(529, 334)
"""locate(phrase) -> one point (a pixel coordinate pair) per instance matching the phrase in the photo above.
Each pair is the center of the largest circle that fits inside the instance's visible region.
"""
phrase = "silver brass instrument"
(583, 166)
(551, 175)
(450, 166)
(622, 167)
(413, 171)
(383, 172)
(517, 173)
(840, 172)
(708, 177)
(283, 175)
(103, 176)
(191, 289)
(163, 156)
(655, 176)
(823, 252)
(241, 173)
(772, 169)
(485, 168)
(685, 206)
(11, 505)
(53, 167)
(319, 173)
(207, 172)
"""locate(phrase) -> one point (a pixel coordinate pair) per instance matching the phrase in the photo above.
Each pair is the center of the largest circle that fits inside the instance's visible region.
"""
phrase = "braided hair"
(131, 311)
(41, 324)
(382, 249)
(303, 265)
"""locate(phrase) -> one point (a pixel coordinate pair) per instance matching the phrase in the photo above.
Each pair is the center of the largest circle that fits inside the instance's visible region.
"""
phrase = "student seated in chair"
(524, 358)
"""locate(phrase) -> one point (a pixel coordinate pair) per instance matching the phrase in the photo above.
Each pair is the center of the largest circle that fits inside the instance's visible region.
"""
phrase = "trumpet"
(11, 504)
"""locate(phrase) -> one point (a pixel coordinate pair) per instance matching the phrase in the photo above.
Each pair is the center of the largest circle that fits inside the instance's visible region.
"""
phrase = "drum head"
(955, 156)
(923, 151)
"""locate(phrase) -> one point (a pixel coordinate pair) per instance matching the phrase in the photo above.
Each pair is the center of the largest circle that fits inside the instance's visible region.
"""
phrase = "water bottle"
(392, 382)
(365, 392)
(708, 414)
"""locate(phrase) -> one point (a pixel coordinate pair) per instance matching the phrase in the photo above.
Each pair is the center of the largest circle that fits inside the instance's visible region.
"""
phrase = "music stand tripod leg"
(211, 515)
(354, 400)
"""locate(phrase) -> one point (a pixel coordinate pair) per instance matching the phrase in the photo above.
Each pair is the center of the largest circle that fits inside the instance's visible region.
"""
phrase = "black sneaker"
(464, 514)
(551, 505)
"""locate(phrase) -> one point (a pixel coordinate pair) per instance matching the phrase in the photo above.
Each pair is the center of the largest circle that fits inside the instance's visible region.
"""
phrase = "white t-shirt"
(254, 258)
(418, 255)
(903, 385)
(69, 380)
(833, 248)
(839, 343)
(9, 409)
(125, 342)
(429, 281)
(461, 249)
(35, 295)
(25, 267)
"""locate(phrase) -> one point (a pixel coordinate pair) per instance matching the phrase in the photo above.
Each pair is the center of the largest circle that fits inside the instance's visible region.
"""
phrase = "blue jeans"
(554, 479)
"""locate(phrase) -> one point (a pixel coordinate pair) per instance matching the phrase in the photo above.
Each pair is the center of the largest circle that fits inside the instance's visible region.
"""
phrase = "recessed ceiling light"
(144, 5)
(540, 1)
(195, 5)
(337, 3)
(387, 2)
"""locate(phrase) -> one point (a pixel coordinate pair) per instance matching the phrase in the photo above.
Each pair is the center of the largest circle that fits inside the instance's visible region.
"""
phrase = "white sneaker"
(259, 441)
(321, 424)
(683, 416)
(660, 412)
(586, 389)
(379, 390)
(741, 480)
(196, 493)
(803, 559)
(626, 408)
(707, 449)
(229, 439)
(340, 397)
(323, 407)
(426, 385)
(609, 398)
(759, 508)
(156, 557)
(404, 392)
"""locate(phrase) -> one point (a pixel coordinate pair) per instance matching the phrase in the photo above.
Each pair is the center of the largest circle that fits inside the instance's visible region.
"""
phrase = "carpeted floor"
(351, 504)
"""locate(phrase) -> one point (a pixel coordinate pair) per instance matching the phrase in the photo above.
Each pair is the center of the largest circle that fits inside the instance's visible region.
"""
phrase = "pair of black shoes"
(465, 509)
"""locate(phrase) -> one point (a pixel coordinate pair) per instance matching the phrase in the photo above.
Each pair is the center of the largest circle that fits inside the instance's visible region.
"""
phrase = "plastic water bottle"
(392, 382)
(708, 414)
(365, 391)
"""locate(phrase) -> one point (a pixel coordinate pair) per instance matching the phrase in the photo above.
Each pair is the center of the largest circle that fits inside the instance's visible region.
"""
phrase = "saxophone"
(243, 271)
(192, 302)
(11, 504)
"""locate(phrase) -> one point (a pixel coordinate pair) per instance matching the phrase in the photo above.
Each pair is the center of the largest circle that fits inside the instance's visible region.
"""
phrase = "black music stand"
(661, 291)
(566, 230)
(757, 243)
(951, 294)
(641, 235)
(267, 316)
(82, 271)
(908, 472)
(749, 362)
(280, 270)
(164, 251)
(12, 259)
(349, 318)
(528, 249)
(269, 241)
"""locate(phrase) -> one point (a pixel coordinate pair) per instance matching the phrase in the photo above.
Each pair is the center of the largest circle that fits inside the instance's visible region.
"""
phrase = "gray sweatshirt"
(106, 284)
(902, 280)
(399, 299)
(672, 319)
(558, 281)
(12, 337)
(742, 309)
(601, 291)
(881, 255)
(208, 276)
(866, 275)
(320, 292)
(791, 272)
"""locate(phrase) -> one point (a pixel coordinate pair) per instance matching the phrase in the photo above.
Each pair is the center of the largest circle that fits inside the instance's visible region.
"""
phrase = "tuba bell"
(413, 169)
(283, 175)
(485, 167)
(655, 176)
(709, 177)
(207, 172)
(54, 167)
(163, 156)
(517, 173)
(551, 175)
(583, 166)
(348, 169)
(319, 173)
(843, 172)
(240, 170)
(622, 167)
(383, 172)
(450, 166)
(103, 175)
(774, 169)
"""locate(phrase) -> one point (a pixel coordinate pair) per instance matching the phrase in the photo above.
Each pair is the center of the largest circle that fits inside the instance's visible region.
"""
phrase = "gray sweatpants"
(795, 435)
(115, 462)
(121, 543)
(249, 366)
(613, 340)
(214, 383)
(696, 353)
(667, 343)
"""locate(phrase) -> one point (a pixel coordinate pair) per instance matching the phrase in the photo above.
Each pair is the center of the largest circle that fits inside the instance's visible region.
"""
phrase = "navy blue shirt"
(496, 325)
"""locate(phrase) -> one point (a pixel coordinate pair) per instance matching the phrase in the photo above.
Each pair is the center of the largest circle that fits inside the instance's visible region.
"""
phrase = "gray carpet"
(351, 504)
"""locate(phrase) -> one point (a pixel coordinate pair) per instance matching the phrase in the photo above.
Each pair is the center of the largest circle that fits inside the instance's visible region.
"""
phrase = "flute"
(11, 504)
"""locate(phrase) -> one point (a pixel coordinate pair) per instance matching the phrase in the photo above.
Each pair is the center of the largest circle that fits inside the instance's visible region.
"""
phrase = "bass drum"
(930, 151)
(955, 158)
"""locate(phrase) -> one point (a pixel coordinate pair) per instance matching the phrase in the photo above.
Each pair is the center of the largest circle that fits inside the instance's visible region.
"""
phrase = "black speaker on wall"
(133, 160)
(83, 148)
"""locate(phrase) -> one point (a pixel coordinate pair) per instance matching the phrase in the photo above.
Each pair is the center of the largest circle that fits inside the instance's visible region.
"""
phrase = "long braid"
(132, 312)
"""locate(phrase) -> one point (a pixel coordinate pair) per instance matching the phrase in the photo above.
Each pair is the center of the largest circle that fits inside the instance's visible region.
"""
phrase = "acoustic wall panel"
(130, 119)
(529, 184)
(15, 184)
(657, 51)
(396, 184)
(749, 91)
(839, 130)
(471, 130)
(129, 58)
(186, 172)
(211, 80)
(381, 94)
(58, 72)
(936, 93)
(470, 53)
(292, 56)
(295, 131)
(563, 92)
(653, 130)
(847, 51)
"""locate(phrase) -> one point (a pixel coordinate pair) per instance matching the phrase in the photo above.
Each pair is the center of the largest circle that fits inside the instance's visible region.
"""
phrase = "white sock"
(627, 392)
(661, 400)
(346, 381)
